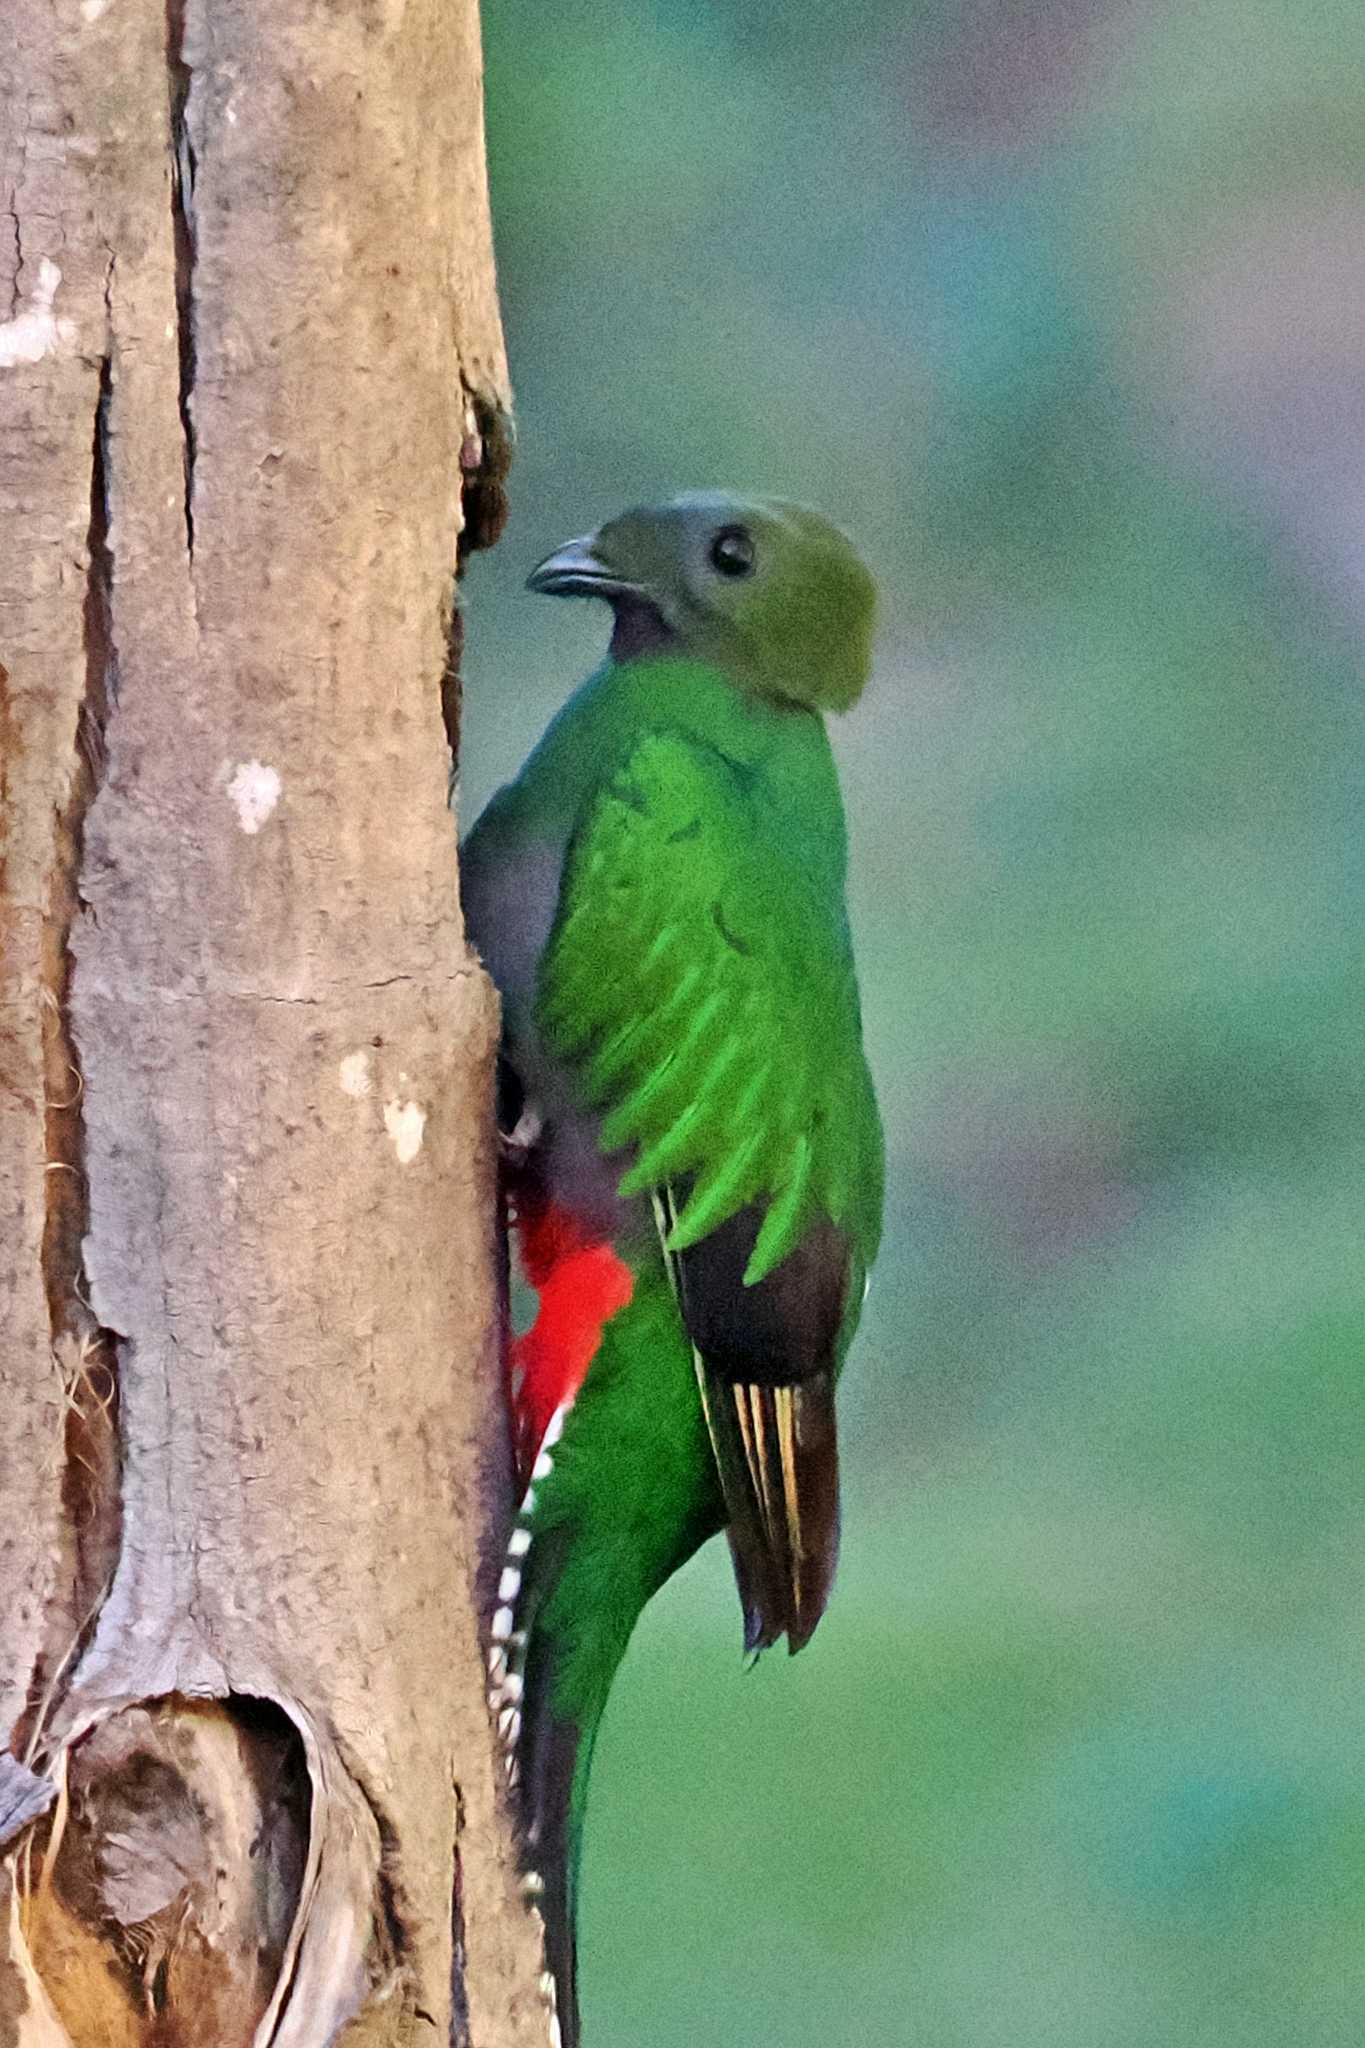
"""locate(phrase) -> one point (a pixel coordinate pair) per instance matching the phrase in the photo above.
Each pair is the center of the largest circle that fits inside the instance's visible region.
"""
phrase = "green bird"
(694, 1165)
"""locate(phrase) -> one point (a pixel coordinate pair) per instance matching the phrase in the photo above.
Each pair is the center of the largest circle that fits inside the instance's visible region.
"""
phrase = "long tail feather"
(546, 1755)
(549, 1757)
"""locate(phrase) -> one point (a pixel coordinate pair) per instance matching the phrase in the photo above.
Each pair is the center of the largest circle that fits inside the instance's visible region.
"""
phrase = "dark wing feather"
(777, 1455)
(765, 1367)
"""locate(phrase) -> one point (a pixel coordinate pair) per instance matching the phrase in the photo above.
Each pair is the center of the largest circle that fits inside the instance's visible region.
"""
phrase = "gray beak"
(575, 571)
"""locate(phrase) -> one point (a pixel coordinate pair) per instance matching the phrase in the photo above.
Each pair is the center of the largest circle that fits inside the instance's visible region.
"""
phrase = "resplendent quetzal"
(696, 1170)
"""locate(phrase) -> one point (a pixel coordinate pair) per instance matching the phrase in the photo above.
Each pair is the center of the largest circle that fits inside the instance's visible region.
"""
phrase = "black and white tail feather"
(538, 1757)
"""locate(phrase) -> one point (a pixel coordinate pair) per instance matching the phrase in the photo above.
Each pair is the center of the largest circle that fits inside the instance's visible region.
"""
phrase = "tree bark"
(252, 1454)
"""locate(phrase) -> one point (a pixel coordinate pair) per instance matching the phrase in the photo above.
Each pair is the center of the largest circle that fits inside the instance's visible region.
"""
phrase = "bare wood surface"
(251, 389)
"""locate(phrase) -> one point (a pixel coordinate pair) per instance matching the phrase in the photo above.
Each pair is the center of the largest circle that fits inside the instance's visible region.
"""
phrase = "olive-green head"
(765, 590)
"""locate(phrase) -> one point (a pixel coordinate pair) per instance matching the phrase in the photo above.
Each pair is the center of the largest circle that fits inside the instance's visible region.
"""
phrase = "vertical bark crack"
(180, 76)
(16, 283)
(86, 1354)
(485, 458)
(459, 1994)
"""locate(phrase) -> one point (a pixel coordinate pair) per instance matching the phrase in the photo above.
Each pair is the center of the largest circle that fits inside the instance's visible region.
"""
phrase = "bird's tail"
(621, 1492)
(547, 1745)
(555, 1758)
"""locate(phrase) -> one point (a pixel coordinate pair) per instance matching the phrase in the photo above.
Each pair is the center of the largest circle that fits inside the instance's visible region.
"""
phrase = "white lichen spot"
(29, 336)
(255, 791)
(91, 10)
(405, 1123)
(354, 1074)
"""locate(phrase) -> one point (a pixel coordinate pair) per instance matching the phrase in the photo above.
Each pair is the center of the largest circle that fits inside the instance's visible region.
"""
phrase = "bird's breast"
(510, 906)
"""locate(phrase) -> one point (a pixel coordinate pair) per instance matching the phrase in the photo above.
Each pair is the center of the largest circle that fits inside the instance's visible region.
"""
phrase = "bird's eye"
(732, 551)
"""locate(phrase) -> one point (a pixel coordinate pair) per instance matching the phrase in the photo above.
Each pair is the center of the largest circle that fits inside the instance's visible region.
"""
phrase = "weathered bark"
(251, 390)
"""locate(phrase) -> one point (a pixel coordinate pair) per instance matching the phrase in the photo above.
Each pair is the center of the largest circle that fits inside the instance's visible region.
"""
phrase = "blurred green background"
(1060, 307)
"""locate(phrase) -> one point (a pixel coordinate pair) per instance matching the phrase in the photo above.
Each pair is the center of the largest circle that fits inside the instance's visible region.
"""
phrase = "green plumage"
(660, 897)
(731, 1054)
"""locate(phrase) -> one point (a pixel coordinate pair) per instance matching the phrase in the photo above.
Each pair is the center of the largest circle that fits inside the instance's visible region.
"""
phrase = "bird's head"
(769, 592)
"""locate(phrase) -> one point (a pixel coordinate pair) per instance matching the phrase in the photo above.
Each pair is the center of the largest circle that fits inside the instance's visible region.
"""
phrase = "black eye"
(732, 551)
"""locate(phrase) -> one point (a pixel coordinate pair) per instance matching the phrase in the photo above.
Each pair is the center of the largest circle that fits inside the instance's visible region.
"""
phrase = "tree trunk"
(252, 1454)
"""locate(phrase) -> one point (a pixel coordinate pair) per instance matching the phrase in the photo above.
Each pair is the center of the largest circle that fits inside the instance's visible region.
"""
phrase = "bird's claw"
(515, 1146)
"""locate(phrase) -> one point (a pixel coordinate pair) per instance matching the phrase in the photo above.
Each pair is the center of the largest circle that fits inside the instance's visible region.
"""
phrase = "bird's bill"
(575, 570)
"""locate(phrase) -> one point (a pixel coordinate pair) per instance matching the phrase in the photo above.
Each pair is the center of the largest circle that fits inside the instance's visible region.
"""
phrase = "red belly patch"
(581, 1283)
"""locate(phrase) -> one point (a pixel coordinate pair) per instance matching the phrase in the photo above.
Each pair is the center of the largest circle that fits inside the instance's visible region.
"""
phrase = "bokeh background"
(1060, 307)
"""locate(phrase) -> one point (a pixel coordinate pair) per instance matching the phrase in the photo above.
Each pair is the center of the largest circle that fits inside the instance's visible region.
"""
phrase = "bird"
(693, 1157)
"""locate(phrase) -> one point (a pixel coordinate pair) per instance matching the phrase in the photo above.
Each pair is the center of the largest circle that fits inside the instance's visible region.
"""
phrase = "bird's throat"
(640, 628)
